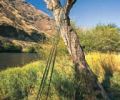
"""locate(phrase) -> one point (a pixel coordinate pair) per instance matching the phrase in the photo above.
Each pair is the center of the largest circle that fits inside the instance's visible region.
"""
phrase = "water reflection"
(16, 59)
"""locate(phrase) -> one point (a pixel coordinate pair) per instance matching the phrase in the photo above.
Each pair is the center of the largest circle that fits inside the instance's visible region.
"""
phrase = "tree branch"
(69, 5)
(52, 4)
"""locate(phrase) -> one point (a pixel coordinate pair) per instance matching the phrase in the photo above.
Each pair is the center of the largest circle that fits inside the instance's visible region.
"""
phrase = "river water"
(16, 59)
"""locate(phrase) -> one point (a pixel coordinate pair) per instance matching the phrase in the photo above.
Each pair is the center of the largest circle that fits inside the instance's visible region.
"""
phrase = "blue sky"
(88, 13)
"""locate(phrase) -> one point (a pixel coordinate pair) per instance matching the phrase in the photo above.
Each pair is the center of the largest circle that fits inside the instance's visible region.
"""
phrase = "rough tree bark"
(87, 86)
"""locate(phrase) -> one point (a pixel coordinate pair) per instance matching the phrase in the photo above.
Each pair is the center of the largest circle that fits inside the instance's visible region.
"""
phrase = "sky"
(89, 13)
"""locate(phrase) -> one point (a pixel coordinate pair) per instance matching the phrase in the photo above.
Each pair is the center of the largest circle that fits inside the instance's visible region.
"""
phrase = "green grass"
(22, 83)
(19, 83)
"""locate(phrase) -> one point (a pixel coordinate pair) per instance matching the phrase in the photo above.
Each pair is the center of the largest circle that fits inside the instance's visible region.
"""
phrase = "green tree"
(104, 38)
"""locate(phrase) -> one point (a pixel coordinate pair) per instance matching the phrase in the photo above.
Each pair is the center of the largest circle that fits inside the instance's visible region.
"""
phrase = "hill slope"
(23, 23)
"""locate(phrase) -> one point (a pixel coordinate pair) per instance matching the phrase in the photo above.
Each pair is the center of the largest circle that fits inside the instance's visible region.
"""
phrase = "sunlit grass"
(100, 62)
(23, 82)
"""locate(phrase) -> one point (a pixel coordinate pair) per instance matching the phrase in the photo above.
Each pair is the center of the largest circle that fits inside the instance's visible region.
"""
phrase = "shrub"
(29, 50)
(103, 38)
(8, 47)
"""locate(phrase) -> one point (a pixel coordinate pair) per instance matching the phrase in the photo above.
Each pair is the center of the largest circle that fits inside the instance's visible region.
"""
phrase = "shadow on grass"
(64, 86)
(112, 89)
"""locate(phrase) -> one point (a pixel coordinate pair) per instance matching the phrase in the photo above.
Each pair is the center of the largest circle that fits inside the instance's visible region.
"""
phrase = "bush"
(9, 47)
(29, 50)
(103, 38)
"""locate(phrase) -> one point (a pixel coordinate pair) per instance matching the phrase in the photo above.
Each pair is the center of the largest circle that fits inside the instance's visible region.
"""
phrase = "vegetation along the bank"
(22, 83)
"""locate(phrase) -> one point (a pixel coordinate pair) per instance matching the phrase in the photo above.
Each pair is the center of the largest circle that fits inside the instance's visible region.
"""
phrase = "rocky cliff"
(21, 21)
(35, 17)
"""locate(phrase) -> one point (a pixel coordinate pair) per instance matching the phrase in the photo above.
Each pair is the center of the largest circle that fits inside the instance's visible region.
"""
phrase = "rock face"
(20, 20)
(35, 17)
(22, 24)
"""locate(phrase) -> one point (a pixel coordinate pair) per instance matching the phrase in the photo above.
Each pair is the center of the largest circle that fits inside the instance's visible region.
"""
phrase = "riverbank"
(8, 45)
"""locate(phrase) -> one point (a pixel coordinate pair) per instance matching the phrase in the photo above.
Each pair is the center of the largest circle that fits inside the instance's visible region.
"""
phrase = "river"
(16, 59)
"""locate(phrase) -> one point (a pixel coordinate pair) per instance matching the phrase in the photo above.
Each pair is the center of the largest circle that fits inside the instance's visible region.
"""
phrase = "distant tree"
(109, 38)
(103, 38)
(87, 86)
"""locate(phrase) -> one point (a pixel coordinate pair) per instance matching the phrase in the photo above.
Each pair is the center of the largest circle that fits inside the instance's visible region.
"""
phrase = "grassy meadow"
(22, 83)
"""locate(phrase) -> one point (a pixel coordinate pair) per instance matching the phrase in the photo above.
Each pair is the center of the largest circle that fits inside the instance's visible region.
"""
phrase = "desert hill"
(21, 23)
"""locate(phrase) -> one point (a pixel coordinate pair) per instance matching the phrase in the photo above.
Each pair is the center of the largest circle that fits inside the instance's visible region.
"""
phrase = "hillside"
(22, 22)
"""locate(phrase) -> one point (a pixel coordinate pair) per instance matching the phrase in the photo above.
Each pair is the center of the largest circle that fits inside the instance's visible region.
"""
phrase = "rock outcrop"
(21, 21)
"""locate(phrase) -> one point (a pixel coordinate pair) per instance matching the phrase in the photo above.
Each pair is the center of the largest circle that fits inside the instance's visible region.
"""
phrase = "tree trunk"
(87, 86)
